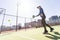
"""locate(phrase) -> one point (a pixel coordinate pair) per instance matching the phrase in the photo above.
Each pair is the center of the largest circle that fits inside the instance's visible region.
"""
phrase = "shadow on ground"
(55, 36)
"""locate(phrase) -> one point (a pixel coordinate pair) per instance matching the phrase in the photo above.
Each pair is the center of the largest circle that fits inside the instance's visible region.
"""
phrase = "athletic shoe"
(51, 29)
(45, 32)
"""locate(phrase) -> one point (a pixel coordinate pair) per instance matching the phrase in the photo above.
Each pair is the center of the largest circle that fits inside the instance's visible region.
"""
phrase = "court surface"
(32, 34)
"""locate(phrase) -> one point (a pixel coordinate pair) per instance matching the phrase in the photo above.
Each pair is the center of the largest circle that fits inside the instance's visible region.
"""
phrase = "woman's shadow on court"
(54, 37)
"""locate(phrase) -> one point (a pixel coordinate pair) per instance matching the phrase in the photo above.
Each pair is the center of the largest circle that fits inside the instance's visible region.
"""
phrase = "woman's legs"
(51, 29)
(44, 25)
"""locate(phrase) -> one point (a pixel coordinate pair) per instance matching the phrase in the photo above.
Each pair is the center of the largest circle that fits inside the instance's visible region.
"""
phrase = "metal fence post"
(3, 20)
(25, 23)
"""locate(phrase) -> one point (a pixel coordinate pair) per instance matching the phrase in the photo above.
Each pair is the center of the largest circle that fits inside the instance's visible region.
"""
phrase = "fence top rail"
(3, 8)
(15, 15)
(18, 16)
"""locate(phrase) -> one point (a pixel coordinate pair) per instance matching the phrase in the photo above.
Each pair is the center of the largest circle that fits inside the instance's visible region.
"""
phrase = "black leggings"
(45, 24)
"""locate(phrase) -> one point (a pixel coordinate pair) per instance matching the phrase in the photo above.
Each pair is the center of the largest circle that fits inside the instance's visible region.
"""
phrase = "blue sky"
(27, 8)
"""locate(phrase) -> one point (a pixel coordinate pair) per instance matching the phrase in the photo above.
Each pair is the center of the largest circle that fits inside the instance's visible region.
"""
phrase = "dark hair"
(38, 6)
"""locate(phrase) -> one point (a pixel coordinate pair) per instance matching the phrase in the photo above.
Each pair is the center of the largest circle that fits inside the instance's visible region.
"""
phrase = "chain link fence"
(13, 22)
